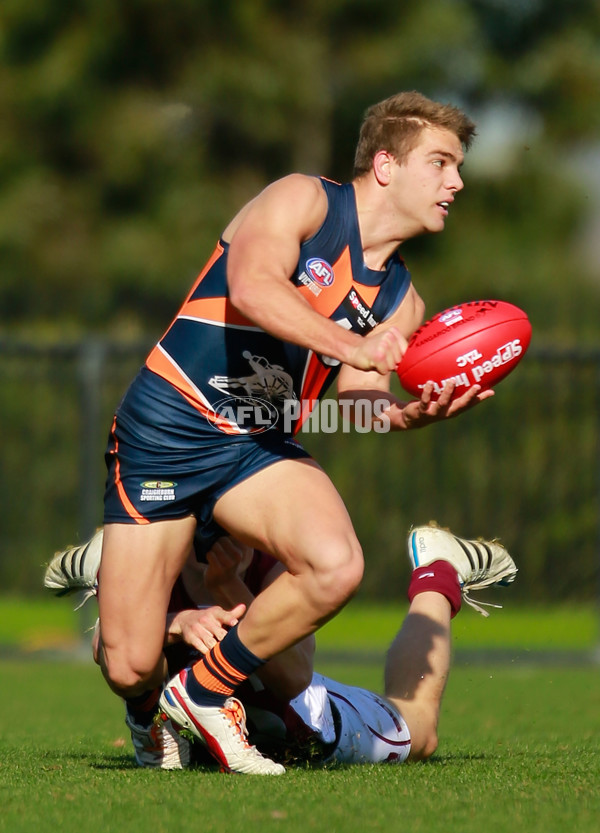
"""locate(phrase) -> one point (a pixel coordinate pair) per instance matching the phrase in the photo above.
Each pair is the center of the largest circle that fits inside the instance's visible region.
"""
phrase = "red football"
(479, 342)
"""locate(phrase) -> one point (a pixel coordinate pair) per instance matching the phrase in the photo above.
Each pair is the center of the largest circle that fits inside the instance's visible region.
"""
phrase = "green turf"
(33, 624)
(520, 743)
(37, 623)
(368, 626)
(520, 751)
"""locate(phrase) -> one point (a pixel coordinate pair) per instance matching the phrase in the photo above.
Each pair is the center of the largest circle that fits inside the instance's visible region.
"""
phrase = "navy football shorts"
(165, 463)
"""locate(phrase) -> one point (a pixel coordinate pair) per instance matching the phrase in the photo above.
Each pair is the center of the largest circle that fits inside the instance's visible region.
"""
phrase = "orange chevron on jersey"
(315, 378)
(217, 253)
(163, 365)
(215, 357)
(218, 311)
(327, 302)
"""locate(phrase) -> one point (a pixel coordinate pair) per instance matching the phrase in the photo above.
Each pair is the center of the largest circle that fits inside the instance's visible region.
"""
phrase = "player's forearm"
(202, 627)
(277, 307)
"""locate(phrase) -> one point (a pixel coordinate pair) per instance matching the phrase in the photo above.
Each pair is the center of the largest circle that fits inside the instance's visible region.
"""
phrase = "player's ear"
(383, 162)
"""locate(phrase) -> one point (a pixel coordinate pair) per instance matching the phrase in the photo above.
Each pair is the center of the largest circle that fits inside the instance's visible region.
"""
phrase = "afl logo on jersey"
(319, 271)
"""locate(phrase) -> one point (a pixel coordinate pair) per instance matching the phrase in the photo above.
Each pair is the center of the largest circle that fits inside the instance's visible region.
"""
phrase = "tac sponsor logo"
(469, 358)
(319, 271)
(158, 490)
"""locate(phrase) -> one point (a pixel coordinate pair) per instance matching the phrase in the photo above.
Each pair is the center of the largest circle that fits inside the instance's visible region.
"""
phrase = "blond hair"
(396, 123)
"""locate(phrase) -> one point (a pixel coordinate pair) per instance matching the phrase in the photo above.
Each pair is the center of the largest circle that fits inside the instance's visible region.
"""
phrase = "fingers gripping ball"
(479, 342)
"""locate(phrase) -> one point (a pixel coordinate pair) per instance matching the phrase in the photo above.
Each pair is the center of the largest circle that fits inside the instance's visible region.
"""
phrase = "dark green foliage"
(132, 130)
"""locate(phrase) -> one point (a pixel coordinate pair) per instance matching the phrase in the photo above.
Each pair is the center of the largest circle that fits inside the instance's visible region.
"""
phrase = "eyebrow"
(448, 155)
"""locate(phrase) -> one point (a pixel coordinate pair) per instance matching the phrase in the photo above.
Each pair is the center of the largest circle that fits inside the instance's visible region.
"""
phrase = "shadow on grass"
(114, 763)
(111, 762)
(456, 757)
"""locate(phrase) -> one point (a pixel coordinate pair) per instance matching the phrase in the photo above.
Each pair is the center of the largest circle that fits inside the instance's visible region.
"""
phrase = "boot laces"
(235, 714)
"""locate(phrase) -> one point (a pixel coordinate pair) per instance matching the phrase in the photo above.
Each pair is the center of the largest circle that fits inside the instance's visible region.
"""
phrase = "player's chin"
(436, 225)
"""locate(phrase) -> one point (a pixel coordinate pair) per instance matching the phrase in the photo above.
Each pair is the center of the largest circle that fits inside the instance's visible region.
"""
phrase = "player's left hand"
(424, 411)
(203, 628)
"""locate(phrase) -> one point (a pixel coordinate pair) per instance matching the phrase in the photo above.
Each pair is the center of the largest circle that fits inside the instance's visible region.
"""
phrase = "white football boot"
(221, 729)
(159, 745)
(75, 569)
(478, 563)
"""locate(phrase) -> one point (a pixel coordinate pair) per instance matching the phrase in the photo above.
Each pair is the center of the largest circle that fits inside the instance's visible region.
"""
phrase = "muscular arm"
(265, 241)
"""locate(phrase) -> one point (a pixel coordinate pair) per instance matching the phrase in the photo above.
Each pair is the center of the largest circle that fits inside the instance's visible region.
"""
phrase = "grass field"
(520, 750)
(36, 624)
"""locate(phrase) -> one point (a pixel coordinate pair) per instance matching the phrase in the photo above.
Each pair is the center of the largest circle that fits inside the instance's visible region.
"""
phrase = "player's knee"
(122, 677)
(340, 573)
(125, 674)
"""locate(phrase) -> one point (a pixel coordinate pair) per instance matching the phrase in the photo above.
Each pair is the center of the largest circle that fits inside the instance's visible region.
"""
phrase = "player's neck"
(378, 229)
(385, 223)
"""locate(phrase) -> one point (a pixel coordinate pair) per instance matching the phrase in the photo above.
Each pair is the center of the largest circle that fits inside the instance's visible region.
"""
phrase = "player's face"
(424, 185)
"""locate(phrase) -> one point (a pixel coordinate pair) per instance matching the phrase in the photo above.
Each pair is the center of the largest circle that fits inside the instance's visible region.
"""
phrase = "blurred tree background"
(131, 130)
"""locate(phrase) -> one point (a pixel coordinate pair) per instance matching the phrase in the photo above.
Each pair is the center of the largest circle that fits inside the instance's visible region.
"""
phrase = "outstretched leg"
(446, 569)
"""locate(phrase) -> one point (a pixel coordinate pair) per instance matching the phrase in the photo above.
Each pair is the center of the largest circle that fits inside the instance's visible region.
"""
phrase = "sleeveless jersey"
(243, 380)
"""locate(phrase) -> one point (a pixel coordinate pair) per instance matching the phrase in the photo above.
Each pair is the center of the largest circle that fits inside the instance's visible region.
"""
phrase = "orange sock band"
(220, 672)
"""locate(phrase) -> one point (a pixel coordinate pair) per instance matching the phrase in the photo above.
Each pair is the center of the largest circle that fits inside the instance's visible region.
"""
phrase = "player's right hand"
(380, 351)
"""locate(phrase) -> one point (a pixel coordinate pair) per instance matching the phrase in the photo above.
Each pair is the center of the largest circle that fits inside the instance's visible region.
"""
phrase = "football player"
(305, 285)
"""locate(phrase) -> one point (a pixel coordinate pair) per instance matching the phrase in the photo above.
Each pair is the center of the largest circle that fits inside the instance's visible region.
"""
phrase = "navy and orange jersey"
(224, 365)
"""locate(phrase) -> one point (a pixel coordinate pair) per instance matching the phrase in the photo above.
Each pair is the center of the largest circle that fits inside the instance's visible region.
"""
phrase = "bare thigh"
(139, 566)
(290, 509)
